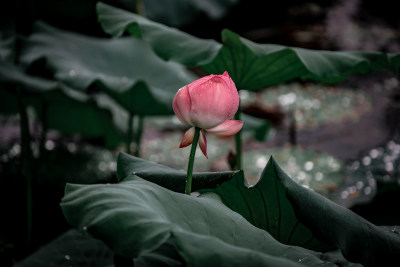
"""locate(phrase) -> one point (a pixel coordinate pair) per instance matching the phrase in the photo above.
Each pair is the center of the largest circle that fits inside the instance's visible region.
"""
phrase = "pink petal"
(187, 138)
(203, 143)
(227, 128)
(213, 101)
(182, 104)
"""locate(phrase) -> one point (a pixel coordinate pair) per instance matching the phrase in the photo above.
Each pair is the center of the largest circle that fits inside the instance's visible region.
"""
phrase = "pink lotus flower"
(208, 103)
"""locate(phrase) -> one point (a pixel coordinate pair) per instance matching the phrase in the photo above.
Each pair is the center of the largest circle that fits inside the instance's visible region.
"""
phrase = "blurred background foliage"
(76, 91)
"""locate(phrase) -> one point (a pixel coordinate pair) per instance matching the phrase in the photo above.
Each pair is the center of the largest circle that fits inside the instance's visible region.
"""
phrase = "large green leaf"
(63, 109)
(126, 69)
(181, 12)
(137, 216)
(6, 48)
(167, 177)
(70, 249)
(169, 43)
(294, 213)
(76, 249)
(266, 206)
(252, 66)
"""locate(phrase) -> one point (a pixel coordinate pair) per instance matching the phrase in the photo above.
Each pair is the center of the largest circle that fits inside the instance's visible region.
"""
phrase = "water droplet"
(366, 160)
(71, 147)
(344, 194)
(287, 99)
(355, 165)
(360, 184)
(112, 166)
(374, 153)
(367, 190)
(102, 166)
(309, 165)
(15, 150)
(72, 73)
(389, 166)
(84, 228)
(301, 176)
(391, 145)
(261, 162)
(67, 257)
(49, 145)
(319, 176)
(244, 94)
(195, 194)
(387, 158)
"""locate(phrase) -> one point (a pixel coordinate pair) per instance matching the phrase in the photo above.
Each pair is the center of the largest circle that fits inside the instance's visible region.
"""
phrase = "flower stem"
(188, 187)
(26, 155)
(43, 134)
(238, 143)
(138, 137)
(130, 133)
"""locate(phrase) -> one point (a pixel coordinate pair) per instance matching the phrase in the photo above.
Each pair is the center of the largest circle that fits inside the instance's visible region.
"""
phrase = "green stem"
(138, 137)
(130, 133)
(26, 168)
(188, 187)
(43, 135)
(238, 143)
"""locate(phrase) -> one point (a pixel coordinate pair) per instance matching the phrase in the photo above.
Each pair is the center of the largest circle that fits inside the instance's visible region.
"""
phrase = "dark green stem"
(130, 133)
(26, 168)
(43, 135)
(188, 187)
(139, 133)
(238, 143)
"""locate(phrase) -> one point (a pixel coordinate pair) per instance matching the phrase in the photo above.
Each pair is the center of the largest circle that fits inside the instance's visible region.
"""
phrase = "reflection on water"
(318, 171)
(312, 104)
(381, 163)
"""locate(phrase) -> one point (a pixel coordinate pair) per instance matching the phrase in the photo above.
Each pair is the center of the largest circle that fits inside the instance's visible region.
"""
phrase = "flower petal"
(182, 105)
(187, 138)
(213, 101)
(227, 128)
(203, 143)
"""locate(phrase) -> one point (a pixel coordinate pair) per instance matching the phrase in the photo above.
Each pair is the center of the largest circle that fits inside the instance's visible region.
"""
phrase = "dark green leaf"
(252, 66)
(72, 112)
(76, 249)
(71, 249)
(359, 240)
(172, 179)
(181, 12)
(7, 49)
(266, 206)
(136, 216)
(168, 43)
(63, 109)
(126, 69)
